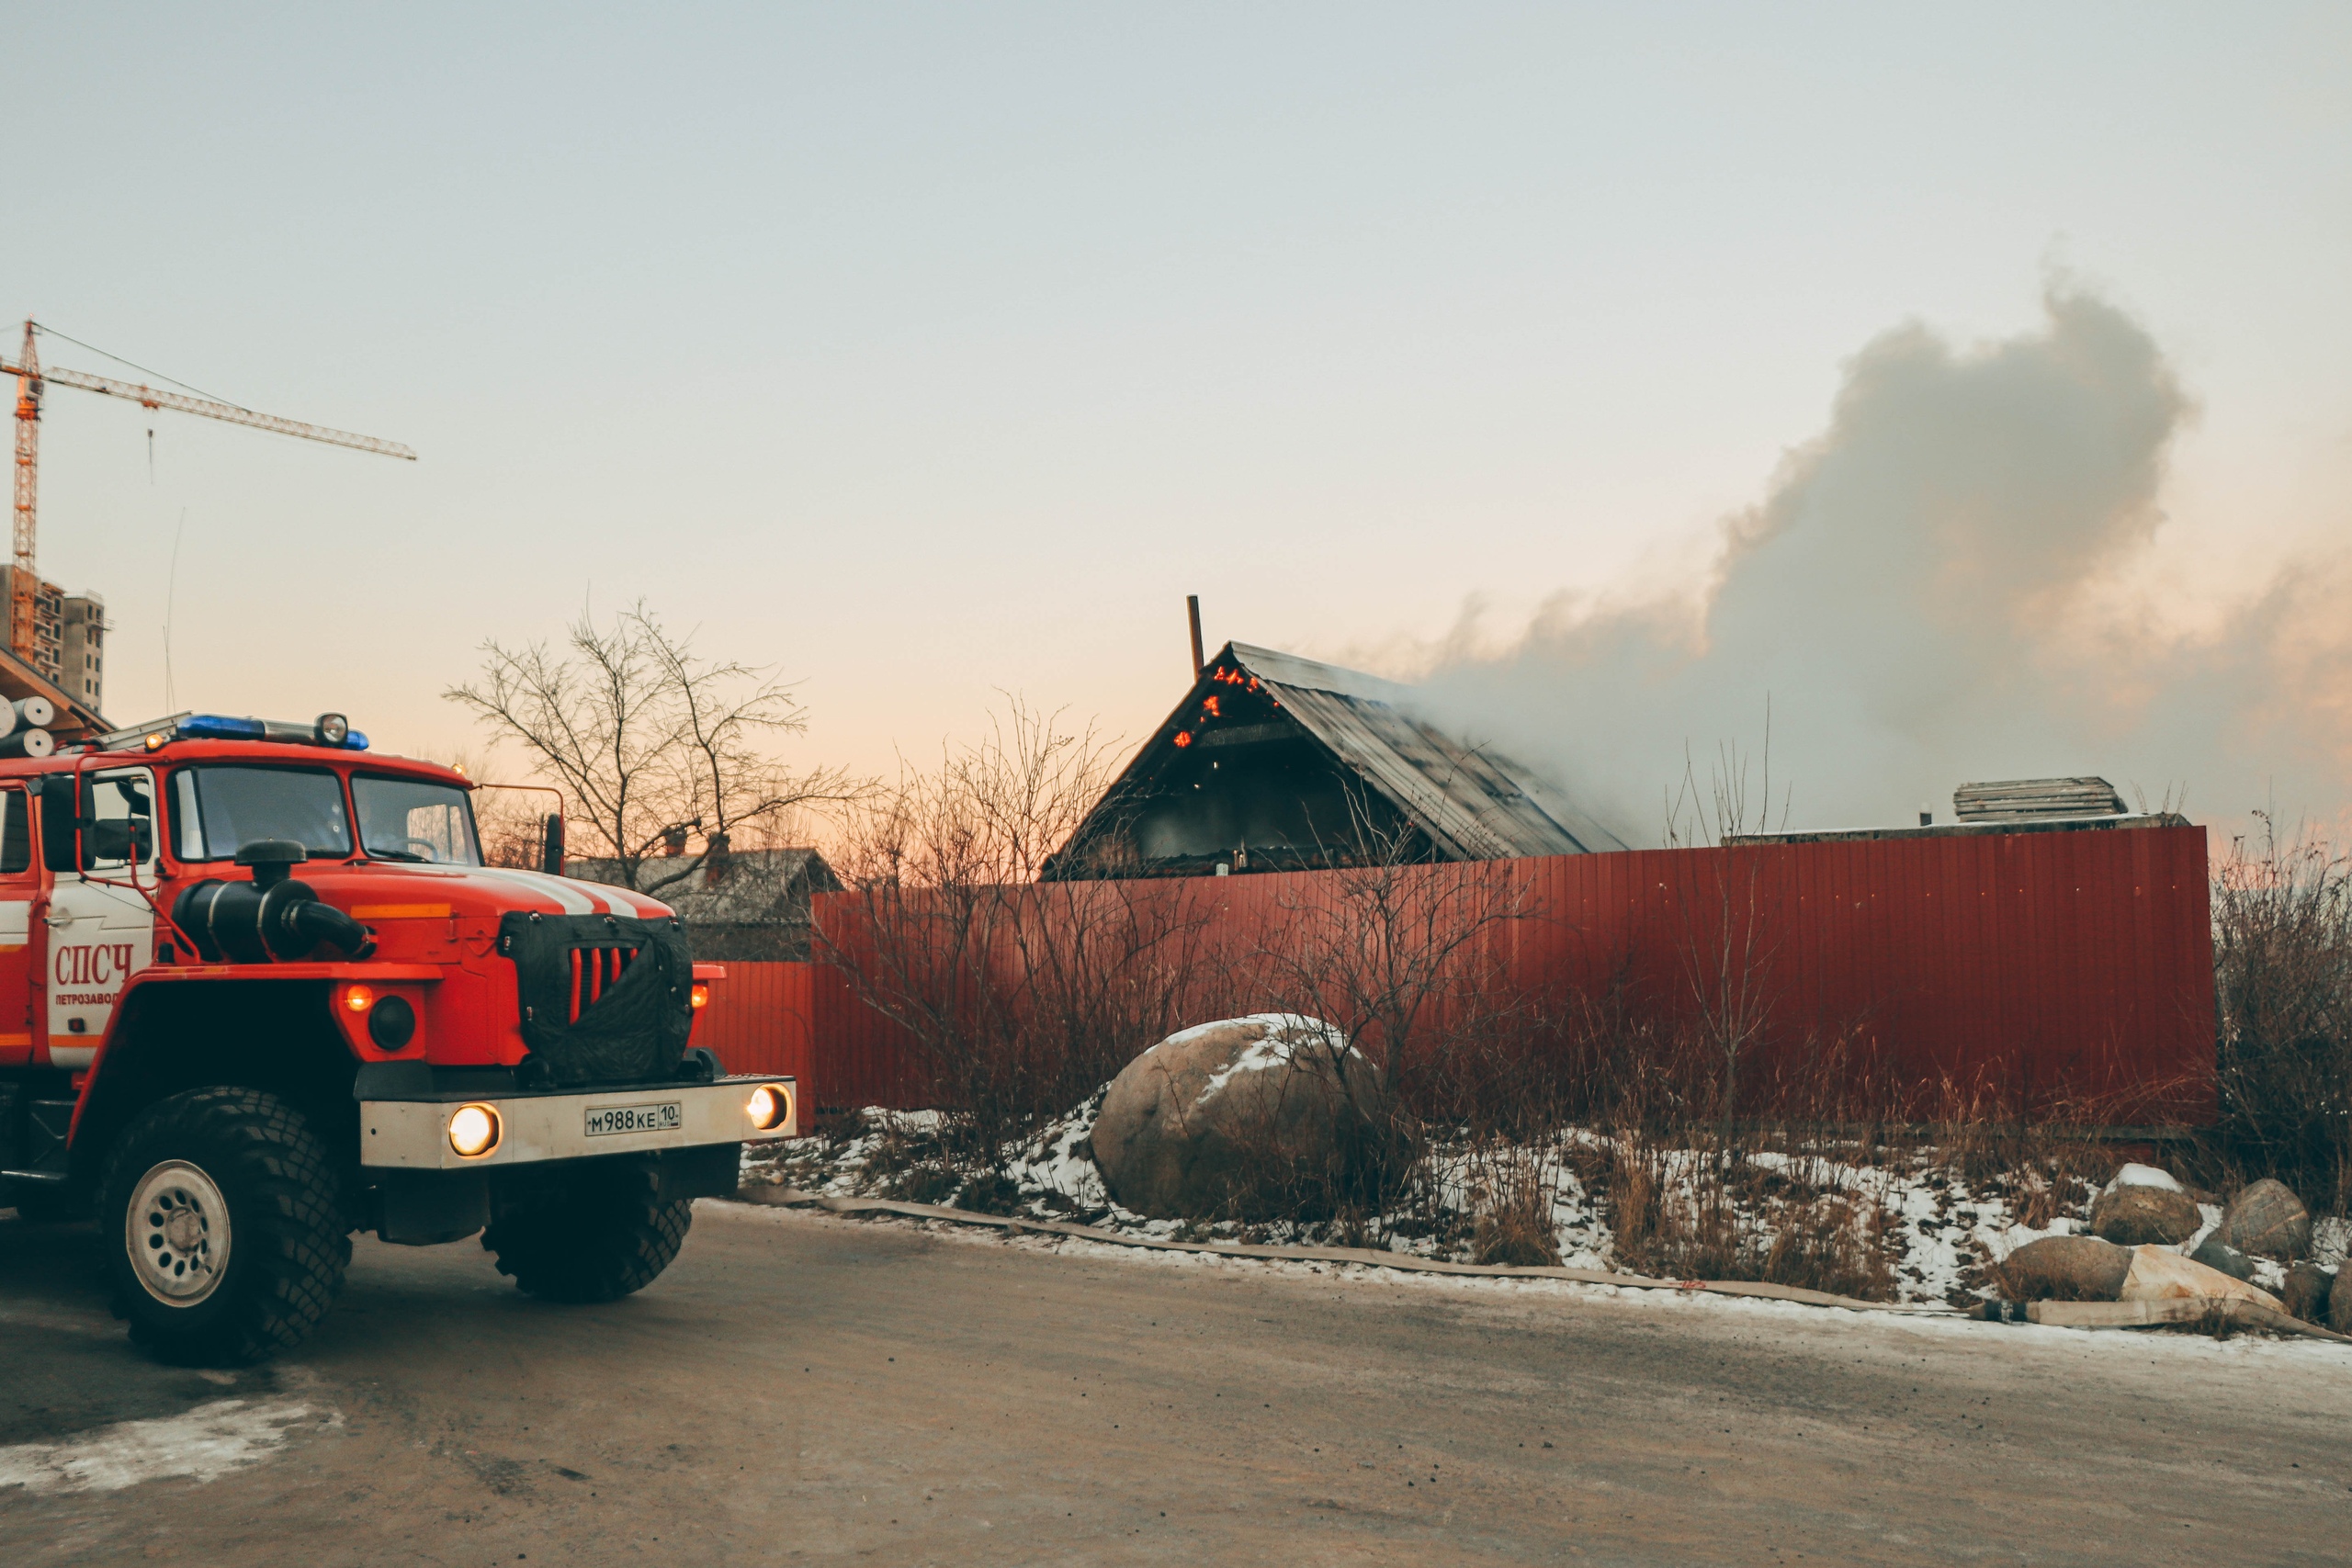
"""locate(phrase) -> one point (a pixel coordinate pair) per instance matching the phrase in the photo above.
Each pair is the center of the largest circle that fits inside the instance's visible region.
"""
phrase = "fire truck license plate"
(606, 1120)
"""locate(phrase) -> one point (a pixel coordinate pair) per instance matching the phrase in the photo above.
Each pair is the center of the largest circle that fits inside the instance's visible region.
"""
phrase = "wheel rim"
(178, 1233)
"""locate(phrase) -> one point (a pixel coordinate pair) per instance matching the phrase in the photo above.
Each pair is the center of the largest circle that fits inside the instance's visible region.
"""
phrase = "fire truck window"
(218, 810)
(123, 828)
(411, 819)
(15, 834)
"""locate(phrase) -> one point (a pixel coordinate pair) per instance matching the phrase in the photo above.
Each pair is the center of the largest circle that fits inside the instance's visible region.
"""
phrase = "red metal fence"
(2068, 973)
(802, 1019)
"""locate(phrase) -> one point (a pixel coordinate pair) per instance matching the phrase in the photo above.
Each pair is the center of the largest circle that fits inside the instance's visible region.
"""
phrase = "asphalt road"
(801, 1388)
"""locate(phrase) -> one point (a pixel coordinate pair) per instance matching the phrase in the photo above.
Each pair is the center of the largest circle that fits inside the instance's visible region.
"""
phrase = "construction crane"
(32, 380)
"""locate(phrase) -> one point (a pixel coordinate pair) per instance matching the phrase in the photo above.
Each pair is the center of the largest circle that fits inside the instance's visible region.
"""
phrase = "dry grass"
(1684, 1214)
(1512, 1194)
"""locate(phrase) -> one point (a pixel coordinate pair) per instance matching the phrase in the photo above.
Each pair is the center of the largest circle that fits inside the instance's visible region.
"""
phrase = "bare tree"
(660, 749)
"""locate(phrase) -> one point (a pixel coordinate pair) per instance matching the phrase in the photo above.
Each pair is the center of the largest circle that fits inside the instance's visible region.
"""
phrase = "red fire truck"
(258, 991)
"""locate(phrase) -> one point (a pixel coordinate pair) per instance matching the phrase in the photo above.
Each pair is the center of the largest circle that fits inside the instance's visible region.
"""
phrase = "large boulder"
(2144, 1206)
(2267, 1220)
(1247, 1117)
(2305, 1292)
(2064, 1269)
(2161, 1274)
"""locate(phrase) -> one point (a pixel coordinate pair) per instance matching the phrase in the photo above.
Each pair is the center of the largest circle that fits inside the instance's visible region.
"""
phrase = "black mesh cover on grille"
(605, 1000)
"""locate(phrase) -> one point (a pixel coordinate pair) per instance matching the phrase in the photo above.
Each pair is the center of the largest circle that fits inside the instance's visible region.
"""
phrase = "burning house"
(1275, 762)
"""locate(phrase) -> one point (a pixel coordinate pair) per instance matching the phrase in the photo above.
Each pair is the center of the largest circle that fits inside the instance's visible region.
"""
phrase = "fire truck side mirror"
(61, 819)
(551, 845)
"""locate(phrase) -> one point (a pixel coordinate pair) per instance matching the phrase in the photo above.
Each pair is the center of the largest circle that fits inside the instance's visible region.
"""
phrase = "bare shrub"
(2282, 969)
(1400, 958)
(1728, 940)
(1020, 997)
(1388, 944)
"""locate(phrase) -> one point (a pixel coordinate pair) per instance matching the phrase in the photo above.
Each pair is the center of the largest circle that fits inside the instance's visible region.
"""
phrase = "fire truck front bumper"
(413, 1125)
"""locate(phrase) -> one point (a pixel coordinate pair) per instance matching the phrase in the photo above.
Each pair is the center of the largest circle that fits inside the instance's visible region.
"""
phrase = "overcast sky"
(928, 350)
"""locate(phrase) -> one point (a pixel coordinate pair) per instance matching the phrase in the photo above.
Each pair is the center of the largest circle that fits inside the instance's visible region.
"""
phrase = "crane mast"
(21, 581)
(33, 382)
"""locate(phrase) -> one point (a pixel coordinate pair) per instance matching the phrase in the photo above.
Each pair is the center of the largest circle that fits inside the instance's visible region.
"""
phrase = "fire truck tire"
(200, 1292)
(599, 1237)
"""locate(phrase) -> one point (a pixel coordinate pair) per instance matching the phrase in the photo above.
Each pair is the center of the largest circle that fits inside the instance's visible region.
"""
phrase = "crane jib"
(153, 398)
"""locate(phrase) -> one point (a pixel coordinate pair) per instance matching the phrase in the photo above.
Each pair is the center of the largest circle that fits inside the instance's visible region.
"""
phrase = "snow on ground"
(2169, 1349)
(202, 1444)
(1939, 1228)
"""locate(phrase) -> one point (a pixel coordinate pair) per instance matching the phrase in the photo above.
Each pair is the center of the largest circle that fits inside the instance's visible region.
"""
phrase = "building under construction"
(1275, 762)
(68, 638)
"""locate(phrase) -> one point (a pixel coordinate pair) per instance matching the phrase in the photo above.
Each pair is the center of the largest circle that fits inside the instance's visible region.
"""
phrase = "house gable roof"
(1474, 802)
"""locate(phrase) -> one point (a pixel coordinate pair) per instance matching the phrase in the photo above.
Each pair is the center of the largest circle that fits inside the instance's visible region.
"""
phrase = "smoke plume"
(1936, 591)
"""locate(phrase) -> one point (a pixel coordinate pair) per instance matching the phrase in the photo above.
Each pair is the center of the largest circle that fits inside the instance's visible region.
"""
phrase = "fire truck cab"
(259, 991)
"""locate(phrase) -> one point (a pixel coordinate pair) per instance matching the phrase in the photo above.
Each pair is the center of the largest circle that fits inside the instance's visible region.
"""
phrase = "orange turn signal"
(358, 999)
(700, 995)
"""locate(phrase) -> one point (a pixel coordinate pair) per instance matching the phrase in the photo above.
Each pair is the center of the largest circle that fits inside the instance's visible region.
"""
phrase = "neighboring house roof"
(1472, 801)
(745, 887)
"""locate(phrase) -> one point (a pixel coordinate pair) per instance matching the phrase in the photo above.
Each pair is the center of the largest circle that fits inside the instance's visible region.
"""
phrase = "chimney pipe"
(1192, 609)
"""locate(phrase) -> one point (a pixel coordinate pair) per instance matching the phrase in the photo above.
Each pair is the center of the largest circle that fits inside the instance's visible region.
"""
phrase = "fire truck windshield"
(412, 819)
(216, 810)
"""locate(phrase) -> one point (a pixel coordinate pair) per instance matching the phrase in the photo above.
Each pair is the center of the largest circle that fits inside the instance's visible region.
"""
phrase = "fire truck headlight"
(473, 1129)
(770, 1107)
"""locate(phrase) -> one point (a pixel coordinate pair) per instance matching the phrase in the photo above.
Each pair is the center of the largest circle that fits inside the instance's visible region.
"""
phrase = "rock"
(1247, 1117)
(2306, 1291)
(2267, 1220)
(2214, 1253)
(2142, 1206)
(2064, 1269)
(2160, 1274)
(2339, 1300)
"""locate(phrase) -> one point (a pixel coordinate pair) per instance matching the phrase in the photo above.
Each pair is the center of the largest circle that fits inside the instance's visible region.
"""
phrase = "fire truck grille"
(593, 969)
(604, 998)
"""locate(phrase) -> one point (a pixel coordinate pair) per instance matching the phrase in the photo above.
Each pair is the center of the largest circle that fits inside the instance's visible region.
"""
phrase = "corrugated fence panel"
(2060, 974)
(758, 1020)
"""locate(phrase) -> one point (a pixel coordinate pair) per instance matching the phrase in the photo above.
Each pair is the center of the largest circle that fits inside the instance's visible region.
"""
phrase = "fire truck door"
(100, 928)
(19, 885)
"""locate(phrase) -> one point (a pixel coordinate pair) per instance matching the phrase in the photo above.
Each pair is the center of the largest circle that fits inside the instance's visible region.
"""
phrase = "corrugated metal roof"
(1475, 803)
